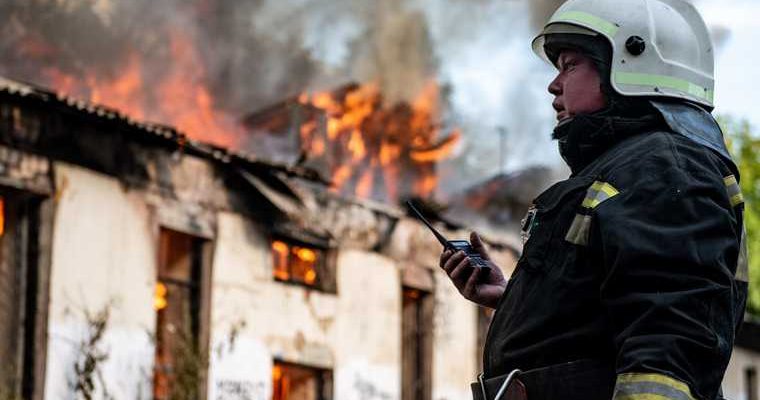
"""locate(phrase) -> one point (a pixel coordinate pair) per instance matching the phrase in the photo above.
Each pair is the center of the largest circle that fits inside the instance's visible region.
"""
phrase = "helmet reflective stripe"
(677, 60)
(660, 81)
(588, 20)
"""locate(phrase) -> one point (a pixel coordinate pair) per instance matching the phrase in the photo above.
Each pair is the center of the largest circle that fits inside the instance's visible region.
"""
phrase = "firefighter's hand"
(482, 287)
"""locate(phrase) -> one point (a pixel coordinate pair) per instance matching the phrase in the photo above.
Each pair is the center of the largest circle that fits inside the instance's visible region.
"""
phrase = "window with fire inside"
(303, 264)
(300, 382)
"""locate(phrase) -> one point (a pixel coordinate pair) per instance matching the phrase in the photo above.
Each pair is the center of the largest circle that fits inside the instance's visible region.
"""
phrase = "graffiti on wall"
(227, 389)
(369, 391)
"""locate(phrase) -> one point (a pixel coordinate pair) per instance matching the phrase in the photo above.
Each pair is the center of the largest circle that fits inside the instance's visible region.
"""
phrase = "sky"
(738, 62)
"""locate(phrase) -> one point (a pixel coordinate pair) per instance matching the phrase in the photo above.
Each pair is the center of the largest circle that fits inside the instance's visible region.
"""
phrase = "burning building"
(369, 149)
(138, 263)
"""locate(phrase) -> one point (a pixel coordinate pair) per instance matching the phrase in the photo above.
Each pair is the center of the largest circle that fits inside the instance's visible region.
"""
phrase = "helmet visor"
(556, 29)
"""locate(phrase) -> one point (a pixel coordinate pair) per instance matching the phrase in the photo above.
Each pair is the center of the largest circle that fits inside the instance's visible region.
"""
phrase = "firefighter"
(633, 278)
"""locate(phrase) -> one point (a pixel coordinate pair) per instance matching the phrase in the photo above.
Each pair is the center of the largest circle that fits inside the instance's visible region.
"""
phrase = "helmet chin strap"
(564, 122)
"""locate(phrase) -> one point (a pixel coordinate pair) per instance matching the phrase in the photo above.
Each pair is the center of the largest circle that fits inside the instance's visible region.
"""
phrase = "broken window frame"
(325, 267)
(417, 321)
(198, 284)
(750, 383)
(323, 376)
(31, 227)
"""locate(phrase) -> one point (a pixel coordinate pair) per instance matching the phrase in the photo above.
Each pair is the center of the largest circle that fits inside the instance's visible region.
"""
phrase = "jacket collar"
(695, 123)
(584, 138)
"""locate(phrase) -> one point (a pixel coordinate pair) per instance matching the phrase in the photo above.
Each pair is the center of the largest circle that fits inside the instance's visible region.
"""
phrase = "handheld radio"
(456, 245)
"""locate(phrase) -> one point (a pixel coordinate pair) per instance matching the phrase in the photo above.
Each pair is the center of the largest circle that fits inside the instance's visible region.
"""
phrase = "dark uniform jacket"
(634, 263)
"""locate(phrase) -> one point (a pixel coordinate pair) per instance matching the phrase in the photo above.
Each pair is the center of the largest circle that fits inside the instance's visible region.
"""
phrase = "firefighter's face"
(577, 87)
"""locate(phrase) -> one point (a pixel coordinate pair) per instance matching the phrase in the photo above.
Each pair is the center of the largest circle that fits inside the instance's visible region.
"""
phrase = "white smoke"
(259, 52)
(497, 85)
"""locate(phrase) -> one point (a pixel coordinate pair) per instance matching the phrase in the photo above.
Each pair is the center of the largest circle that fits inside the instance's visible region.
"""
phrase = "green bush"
(745, 147)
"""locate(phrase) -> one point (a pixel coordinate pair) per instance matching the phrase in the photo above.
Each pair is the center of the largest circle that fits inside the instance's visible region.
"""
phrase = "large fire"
(377, 150)
(374, 150)
(179, 97)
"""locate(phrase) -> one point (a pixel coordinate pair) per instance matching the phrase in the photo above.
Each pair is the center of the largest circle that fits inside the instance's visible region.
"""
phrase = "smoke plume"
(250, 54)
(541, 10)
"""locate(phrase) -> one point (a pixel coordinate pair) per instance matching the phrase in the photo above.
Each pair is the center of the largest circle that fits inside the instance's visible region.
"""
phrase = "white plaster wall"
(356, 333)
(734, 381)
(103, 253)
(368, 334)
(242, 362)
(454, 349)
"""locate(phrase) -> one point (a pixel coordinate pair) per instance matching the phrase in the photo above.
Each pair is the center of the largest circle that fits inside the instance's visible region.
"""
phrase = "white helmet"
(660, 48)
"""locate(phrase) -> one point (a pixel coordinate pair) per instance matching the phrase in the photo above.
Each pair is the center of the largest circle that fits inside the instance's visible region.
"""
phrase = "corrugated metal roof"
(162, 132)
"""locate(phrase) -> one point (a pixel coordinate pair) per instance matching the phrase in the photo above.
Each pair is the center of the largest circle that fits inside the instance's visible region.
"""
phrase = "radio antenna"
(437, 234)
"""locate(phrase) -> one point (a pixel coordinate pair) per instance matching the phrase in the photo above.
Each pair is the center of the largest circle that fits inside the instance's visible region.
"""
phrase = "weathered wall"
(103, 255)
(454, 354)
(356, 332)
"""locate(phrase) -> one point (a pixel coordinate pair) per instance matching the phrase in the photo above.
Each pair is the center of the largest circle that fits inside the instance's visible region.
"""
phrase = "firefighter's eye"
(568, 65)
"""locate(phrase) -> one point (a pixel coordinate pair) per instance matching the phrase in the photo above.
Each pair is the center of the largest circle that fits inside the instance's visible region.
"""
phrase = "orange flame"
(364, 186)
(181, 99)
(159, 296)
(440, 152)
(123, 92)
(373, 145)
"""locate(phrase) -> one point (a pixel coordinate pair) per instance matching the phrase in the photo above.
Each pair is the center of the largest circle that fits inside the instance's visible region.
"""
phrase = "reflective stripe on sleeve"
(589, 20)
(581, 226)
(734, 191)
(579, 230)
(662, 81)
(597, 193)
(742, 264)
(637, 386)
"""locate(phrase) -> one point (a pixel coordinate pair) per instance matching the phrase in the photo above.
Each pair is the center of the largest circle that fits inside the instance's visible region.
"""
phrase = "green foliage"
(183, 368)
(745, 147)
(190, 365)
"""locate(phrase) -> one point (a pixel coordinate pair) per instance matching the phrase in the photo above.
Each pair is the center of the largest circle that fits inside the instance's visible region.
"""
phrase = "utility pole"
(502, 148)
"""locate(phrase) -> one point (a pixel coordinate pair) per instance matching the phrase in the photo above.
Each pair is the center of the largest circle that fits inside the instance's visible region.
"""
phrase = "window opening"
(302, 264)
(19, 259)
(298, 382)
(750, 383)
(180, 358)
(416, 344)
